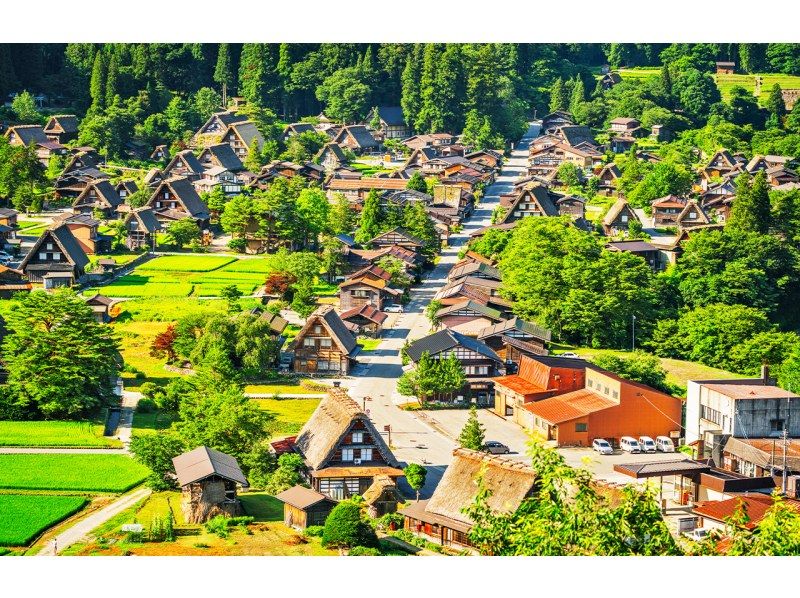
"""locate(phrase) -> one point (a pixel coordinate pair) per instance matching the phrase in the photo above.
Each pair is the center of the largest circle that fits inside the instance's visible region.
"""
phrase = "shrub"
(146, 406)
(345, 528)
(314, 531)
(386, 520)
(218, 525)
(363, 551)
(238, 245)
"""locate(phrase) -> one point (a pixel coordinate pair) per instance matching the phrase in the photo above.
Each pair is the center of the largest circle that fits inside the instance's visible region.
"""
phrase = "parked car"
(602, 446)
(569, 354)
(393, 309)
(697, 534)
(496, 448)
(648, 444)
(629, 445)
(665, 444)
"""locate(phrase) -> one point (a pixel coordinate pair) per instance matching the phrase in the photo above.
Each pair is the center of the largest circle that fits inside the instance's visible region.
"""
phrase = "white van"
(665, 444)
(647, 444)
(629, 444)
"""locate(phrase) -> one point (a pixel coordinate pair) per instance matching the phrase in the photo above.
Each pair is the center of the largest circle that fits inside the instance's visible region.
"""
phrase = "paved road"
(420, 437)
(81, 529)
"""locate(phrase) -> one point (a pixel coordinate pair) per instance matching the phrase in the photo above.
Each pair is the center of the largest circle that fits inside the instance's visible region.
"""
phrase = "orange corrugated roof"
(572, 405)
(754, 506)
(518, 384)
(367, 183)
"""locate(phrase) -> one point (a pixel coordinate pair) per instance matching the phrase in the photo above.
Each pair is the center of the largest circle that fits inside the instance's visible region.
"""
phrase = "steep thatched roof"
(509, 480)
(329, 423)
(382, 486)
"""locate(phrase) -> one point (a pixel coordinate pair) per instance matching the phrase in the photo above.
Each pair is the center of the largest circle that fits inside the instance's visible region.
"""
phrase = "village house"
(62, 128)
(610, 79)
(725, 68)
(143, 227)
(356, 190)
(184, 164)
(497, 337)
(607, 407)
(534, 200)
(468, 317)
(661, 133)
(538, 377)
(608, 177)
(366, 319)
(756, 457)
(208, 480)
(442, 520)
(324, 345)
(434, 140)
(368, 286)
(392, 122)
(86, 230)
(343, 451)
(125, 189)
(645, 250)
(556, 120)
(623, 125)
(242, 136)
(618, 218)
(56, 259)
(457, 291)
(692, 215)
(160, 153)
(720, 164)
(331, 157)
(357, 138)
(397, 236)
(212, 131)
(34, 135)
(716, 514)
(12, 281)
(475, 269)
(98, 196)
(175, 199)
(293, 129)
(220, 154)
(101, 307)
(219, 176)
(744, 408)
(357, 259)
(480, 363)
(667, 209)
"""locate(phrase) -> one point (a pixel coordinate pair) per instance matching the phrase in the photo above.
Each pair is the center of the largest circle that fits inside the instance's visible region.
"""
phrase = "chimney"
(765, 374)
(337, 383)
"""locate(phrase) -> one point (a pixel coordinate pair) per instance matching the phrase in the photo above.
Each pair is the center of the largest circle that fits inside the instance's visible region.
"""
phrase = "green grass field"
(369, 344)
(82, 472)
(290, 414)
(186, 263)
(261, 506)
(54, 433)
(24, 516)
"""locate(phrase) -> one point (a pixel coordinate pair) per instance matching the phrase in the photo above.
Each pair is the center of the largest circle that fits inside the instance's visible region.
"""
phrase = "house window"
(358, 437)
(579, 427)
(49, 247)
(590, 383)
(42, 256)
(323, 365)
(624, 217)
(347, 454)
(615, 394)
(309, 342)
(325, 342)
(317, 329)
(606, 390)
(776, 425)
(366, 454)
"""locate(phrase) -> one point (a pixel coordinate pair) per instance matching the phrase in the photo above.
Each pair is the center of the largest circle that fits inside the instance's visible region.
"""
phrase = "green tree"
(97, 85)
(341, 216)
(345, 528)
(231, 293)
(751, 210)
(665, 178)
(206, 102)
(557, 96)
(112, 79)
(431, 311)
(578, 96)
(410, 96)
(223, 70)
(345, 95)
(156, 451)
(775, 104)
(417, 183)
(415, 475)
(287, 474)
(24, 106)
(182, 231)
(639, 367)
(371, 216)
(569, 174)
(312, 211)
(472, 434)
(60, 361)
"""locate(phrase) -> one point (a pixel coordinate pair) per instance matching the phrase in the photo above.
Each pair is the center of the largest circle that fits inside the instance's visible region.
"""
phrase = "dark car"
(496, 448)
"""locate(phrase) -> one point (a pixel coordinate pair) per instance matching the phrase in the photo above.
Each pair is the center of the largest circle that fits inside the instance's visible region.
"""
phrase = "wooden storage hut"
(303, 507)
(208, 481)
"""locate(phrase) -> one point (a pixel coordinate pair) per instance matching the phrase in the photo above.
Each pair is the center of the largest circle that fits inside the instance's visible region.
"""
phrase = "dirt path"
(81, 529)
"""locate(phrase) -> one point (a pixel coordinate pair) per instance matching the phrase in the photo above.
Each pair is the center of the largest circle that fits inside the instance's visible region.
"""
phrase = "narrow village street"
(429, 437)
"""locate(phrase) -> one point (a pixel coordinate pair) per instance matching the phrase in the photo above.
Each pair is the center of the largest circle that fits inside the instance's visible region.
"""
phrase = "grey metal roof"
(529, 328)
(147, 218)
(662, 468)
(204, 462)
(248, 132)
(225, 156)
(448, 339)
(392, 115)
(484, 310)
(301, 497)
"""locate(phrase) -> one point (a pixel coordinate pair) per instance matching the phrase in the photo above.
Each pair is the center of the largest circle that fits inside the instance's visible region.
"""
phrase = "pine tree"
(254, 73)
(371, 218)
(775, 103)
(751, 207)
(417, 183)
(409, 96)
(450, 89)
(578, 96)
(223, 71)
(472, 434)
(557, 96)
(253, 161)
(666, 83)
(427, 115)
(97, 85)
(112, 82)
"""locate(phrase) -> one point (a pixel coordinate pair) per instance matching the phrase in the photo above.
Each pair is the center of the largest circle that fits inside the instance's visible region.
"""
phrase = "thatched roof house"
(208, 480)
(342, 449)
(441, 518)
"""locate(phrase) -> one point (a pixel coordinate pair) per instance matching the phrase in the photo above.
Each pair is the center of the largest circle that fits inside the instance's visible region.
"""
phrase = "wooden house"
(343, 451)
(469, 267)
(429, 140)
(125, 189)
(356, 190)
(610, 79)
(143, 227)
(623, 125)
(331, 157)
(324, 345)
(241, 136)
(667, 209)
(555, 120)
(488, 158)
(34, 135)
(219, 176)
(208, 481)
(480, 363)
(304, 507)
(661, 133)
(692, 215)
(86, 230)
(647, 251)
(12, 281)
(62, 128)
(608, 178)
(365, 288)
(720, 164)
(725, 68)
(532, 201)
(572, 206)
(220, 154)
(101, 307)
(538, 377)
(98, 196)
(442, 520)
(175, 199)
(8, 217)
(160, 153)
(212, 131)
(392, 123)
(496, 335)
(468, 317)
(618, 218)
(397, 236)
(184, 164)
(56, 258)
(366, 318)
(357, 138)
(293, 129)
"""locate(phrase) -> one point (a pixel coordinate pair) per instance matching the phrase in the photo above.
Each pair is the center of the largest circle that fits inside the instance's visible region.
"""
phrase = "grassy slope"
(54, 433)
(91, 473)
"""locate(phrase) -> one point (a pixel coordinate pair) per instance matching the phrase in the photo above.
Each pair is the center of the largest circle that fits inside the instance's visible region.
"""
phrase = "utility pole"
(785, 446)
(633, 332)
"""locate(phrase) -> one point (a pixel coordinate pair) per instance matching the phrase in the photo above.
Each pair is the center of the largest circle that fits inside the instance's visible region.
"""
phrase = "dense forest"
(157, 93)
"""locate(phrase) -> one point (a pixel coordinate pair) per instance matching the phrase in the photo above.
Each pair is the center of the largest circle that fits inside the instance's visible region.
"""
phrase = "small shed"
(303, 507)
(208, 481)
(382, 496)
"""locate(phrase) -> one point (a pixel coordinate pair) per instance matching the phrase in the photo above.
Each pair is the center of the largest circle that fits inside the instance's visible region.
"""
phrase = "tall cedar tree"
(427, 117)
(97, 85)
(775, 103)
(472, 433)
(61, 362)
(557, 96)
(410, 99)
(371, 217)
(751, 209)
(223, 71)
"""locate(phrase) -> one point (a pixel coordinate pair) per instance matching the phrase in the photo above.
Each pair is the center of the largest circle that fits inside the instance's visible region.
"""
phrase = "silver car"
(496, 448)
(602, 446)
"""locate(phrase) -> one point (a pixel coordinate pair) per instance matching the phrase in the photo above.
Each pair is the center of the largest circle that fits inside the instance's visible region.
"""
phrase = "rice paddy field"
(55, 433)
(70, 472)
(24, 516)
